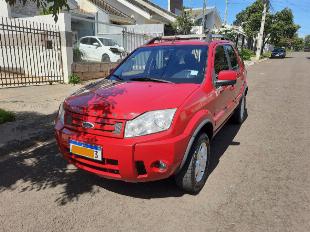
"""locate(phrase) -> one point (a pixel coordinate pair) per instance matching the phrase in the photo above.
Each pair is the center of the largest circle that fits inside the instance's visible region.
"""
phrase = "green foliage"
(283, 28)
(307, 41)
(6, 116)
(74, 79)
(279, 27)
(250, 18)
(183, 23)
(46, 12)
(265, 55)
(77, 55)
(246, 54)
(48, 6)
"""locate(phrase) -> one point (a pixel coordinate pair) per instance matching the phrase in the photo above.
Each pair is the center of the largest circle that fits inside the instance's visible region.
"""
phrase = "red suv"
(155, 115)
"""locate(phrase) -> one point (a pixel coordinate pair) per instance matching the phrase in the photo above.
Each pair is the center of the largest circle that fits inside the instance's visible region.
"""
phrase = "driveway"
(260, 179)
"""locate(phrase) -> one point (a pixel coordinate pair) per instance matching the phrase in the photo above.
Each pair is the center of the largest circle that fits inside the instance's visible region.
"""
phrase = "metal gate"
(30, 53)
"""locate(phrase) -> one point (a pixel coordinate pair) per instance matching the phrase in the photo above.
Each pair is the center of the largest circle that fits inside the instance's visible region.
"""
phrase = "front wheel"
(105, 58)
(194, 173)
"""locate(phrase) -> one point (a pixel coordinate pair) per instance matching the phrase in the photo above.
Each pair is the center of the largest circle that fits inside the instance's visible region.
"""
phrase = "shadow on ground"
(42, 167)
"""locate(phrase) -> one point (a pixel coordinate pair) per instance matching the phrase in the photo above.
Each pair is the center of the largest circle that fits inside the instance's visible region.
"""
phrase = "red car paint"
(197, 104)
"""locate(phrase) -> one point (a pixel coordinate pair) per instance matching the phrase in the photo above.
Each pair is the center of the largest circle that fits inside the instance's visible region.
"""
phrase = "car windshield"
(278, 50)
(177, 64)
(107, 42)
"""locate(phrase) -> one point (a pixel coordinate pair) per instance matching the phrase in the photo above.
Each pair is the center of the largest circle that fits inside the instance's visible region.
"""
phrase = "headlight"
(149, 123)
(61, 114)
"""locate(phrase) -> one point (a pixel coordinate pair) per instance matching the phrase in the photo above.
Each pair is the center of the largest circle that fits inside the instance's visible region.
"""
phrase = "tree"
(183, 23)
(297, 43)
(279, 30)
(283, 29)
(53, 6)
(307, 41)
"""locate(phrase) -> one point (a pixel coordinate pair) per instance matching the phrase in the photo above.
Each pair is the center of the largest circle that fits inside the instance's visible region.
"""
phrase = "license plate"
(90, 151)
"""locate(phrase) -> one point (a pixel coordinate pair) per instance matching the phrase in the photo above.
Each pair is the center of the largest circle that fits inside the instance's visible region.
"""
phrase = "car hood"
(127, 100)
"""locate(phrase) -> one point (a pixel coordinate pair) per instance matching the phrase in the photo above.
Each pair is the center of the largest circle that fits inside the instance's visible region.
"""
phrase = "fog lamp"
(161, 165)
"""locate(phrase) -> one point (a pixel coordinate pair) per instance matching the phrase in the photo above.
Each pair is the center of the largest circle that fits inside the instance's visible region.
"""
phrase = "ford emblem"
(88, 125)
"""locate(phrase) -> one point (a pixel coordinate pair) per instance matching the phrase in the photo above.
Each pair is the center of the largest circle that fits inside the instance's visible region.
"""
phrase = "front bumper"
(126, 159)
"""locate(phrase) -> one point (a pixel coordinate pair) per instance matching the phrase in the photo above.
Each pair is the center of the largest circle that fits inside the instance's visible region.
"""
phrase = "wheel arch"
(206, 126)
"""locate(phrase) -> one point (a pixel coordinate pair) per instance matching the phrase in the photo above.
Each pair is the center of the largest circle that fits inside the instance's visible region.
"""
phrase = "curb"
(250, 63)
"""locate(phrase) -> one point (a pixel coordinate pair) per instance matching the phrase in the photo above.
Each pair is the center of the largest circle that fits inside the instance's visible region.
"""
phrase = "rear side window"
(220, 61)
(232, 57)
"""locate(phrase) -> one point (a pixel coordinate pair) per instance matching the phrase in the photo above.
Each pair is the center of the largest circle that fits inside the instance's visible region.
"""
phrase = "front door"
(224, 93)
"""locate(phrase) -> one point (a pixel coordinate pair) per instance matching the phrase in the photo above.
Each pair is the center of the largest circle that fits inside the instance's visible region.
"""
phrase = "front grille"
(102, 126)
(104, 166)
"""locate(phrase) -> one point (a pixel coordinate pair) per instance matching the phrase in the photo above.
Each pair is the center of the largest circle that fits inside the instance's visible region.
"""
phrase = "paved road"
(260, 181)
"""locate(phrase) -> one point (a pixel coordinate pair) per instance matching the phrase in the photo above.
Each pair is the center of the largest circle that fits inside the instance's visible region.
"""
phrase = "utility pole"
(261, 31)
(203, 23)
(226, 12)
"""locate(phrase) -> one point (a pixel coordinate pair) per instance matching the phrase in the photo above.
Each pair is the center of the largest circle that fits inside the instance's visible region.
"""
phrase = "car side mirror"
(226, 77)
(96, 44)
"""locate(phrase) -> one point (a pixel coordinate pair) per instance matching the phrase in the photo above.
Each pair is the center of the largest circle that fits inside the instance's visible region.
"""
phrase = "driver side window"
(220, 61)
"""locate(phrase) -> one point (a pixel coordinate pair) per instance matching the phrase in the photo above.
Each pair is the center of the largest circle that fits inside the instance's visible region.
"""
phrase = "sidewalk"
(35, 108)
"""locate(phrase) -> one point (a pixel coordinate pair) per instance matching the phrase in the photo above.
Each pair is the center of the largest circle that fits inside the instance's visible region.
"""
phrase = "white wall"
(147, 28)
(27, 52)
(5, 10)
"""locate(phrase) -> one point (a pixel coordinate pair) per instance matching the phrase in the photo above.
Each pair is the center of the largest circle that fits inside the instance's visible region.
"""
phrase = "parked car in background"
(278, 53)
(100, 49)
(156, 113)
(307, 49)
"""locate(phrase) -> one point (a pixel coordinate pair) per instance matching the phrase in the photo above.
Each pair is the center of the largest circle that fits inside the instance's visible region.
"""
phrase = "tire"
(105, 58)
(193, 176)
(240, 111)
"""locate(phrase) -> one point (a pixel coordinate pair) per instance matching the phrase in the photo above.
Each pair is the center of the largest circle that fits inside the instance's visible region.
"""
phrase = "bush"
(6, 116)
(246, 54)
(265, 55)
(74, 79)
(77, 55)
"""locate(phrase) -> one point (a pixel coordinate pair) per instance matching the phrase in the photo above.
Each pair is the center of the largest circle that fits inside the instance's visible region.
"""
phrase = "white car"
(100, 49)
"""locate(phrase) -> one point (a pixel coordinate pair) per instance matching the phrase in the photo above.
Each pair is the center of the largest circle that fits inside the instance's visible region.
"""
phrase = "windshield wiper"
(150, 79)
(117, 76)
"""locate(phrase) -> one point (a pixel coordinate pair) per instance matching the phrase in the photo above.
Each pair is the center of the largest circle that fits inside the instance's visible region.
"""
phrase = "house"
(212, 19)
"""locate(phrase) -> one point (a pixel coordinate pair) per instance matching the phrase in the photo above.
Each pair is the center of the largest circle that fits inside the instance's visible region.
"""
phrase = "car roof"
(187, 42)
(93, 36)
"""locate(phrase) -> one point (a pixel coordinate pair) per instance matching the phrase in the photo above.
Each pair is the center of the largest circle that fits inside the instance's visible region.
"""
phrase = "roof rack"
(205, 37)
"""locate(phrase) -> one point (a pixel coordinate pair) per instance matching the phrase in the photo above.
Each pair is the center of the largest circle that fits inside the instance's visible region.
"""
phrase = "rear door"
(224, 94)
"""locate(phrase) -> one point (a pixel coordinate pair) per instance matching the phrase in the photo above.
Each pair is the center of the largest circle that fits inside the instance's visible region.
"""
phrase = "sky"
(301, 9)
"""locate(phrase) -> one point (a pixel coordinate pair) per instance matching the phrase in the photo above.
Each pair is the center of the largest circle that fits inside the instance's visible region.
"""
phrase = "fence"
(129, 40)
(30, 53)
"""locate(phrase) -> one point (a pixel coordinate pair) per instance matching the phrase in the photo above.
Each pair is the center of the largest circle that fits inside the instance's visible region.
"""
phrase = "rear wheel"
(195, 172)
(239, 114)
(105, 58)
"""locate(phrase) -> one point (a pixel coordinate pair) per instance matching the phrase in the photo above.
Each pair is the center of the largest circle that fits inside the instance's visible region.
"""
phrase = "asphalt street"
(260, 178)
